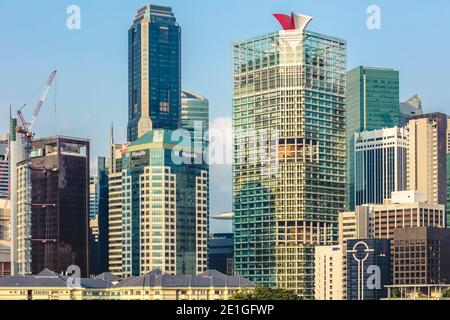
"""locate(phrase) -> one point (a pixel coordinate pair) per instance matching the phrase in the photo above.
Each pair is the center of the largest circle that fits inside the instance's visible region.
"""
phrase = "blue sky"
(91, 88)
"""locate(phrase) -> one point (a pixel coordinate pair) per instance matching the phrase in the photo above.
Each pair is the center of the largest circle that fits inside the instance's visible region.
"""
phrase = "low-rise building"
(48, 285)
(5, 258)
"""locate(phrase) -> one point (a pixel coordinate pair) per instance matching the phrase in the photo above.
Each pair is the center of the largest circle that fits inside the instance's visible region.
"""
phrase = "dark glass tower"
(154, 71)
(60, 204)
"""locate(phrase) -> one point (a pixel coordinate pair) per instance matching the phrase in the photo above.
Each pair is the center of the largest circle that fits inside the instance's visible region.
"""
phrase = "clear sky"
(91, 88)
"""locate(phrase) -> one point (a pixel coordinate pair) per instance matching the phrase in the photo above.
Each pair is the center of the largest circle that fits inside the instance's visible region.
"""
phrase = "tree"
(265, 293)
(446, 294)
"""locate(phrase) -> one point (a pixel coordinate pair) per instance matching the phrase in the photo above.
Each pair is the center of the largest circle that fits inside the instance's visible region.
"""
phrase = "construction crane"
(26, 128)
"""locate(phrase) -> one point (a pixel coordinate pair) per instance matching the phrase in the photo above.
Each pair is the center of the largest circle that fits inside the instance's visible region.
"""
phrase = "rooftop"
(50, 279)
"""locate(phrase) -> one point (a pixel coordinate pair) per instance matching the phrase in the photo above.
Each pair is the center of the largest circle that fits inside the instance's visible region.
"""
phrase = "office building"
(426, 164)
(221, 252)
(380, 164)
(289, 152)
(195, 116)
(5, 258)
(410, 108)
(421, 256)
(357, 224)
(98, 218)
(368, 269)
(158, 207)
(154, 71)
(52, 224)
(5, 220)
(49, 285)
(330, 273)
(4, 168)
(405, 209)
(448, 173)
(372, 104)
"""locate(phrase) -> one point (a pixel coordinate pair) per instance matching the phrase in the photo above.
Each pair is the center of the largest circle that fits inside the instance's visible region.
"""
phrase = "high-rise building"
(426, 164)
(4, 168)
(93, 197)
(448, 173)
(154, 71)
(289, 152)
(368, 269)
(195, 116)
(98, 218)
(410, 108)
(159, 209)
(380, 164)
(54, 233)
(221, 252)
(372, 103)
(421, 256)
(330, 273)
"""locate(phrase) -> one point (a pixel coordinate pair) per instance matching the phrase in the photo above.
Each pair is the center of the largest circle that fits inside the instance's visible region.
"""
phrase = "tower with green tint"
(289, 167)
(373, 102)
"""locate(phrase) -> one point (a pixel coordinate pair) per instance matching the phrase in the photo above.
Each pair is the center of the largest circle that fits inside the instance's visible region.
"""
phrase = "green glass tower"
(373, 102)
(289, 167)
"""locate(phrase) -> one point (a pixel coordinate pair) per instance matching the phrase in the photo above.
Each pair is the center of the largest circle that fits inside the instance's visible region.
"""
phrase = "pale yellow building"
(426, 157)
(356, 224)
(330, 272)
(48, 285)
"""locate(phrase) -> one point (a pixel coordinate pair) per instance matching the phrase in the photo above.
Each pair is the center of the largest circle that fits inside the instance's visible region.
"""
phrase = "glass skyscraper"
(154, 71)
(195, 117)
(373, 102)
(289, 90)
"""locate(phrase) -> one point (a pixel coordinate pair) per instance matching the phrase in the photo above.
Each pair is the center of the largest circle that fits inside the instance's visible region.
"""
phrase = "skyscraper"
(448, 173)
(4, 168)
(410, 108)
(380, 164)
(154, 71)
(159, 208)
(372, 103)
(98, 218)
(195, 116)
(54, 234)
(289, 158)
(427, 155)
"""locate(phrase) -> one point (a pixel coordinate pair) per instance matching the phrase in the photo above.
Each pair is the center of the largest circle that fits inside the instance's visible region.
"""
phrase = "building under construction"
(51, 223)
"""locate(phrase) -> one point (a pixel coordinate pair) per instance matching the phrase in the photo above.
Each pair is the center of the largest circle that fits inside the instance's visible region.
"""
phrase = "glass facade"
(195, 117)
(54, 234)
(289, 90)
(98, 219)
(373, 102)
(154, 69)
